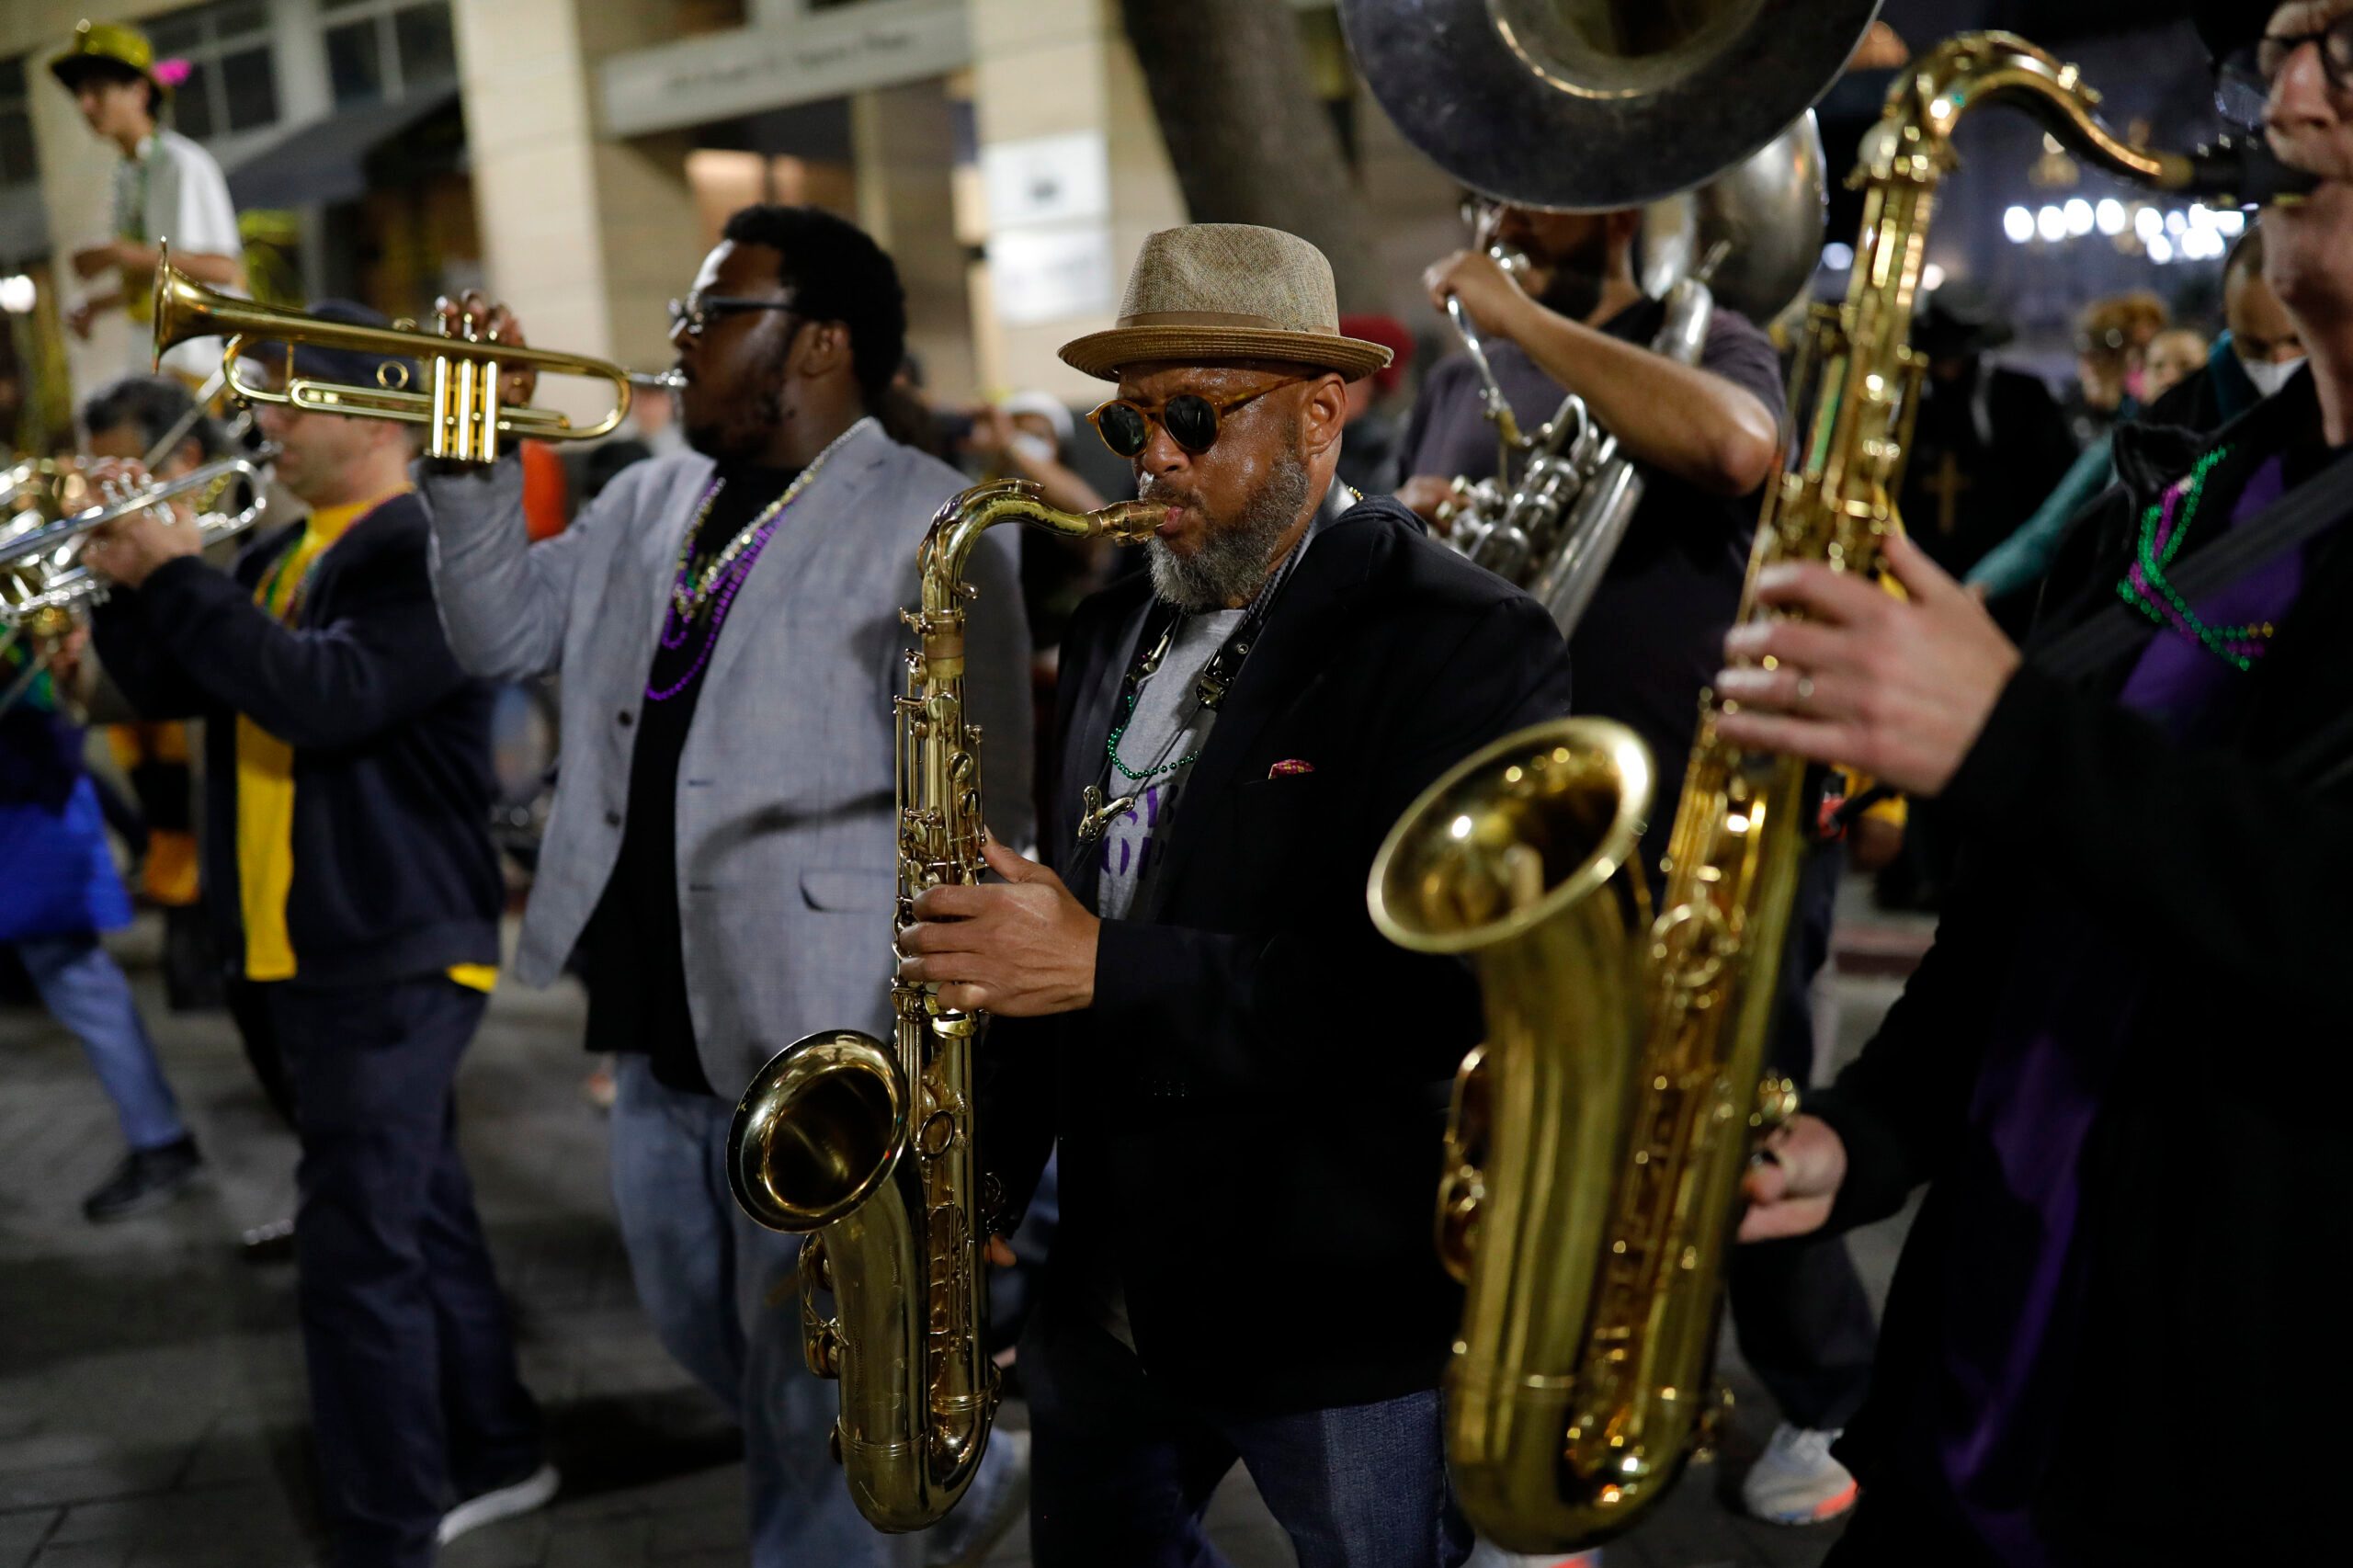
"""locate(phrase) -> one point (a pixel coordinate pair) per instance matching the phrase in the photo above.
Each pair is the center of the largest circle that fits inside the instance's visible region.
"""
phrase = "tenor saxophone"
(866, 1147)
(1597, 1139)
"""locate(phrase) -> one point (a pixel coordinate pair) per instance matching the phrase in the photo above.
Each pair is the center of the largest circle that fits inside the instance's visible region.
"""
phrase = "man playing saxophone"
(1190, 992)
(2118, 1240)
(722, 845)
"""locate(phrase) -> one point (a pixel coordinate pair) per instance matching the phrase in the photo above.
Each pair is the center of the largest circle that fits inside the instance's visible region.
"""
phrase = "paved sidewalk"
(152, 1410)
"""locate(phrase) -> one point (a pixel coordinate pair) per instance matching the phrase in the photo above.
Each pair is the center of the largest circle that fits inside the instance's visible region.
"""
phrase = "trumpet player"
(2158, 830)
(722, 849)
(352, 884)
(1189, 992)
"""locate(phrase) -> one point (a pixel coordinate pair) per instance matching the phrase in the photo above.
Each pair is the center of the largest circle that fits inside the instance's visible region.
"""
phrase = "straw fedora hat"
(1227, 291)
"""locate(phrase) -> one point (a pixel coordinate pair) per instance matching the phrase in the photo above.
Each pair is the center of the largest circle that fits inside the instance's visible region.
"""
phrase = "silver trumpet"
(41, 577)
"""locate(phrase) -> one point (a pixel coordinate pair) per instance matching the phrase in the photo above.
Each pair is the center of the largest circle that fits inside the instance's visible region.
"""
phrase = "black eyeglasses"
(1191, 419)
(2334, 42)
(696, 311)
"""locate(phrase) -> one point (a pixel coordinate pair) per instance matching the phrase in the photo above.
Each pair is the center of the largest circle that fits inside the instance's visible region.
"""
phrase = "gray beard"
(1233, 562)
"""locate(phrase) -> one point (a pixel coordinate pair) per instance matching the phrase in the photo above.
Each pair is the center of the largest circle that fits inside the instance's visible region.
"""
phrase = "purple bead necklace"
(725, 575)
(675, 627)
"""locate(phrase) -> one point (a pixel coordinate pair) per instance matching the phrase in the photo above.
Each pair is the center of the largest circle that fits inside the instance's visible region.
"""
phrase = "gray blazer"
(786, 834)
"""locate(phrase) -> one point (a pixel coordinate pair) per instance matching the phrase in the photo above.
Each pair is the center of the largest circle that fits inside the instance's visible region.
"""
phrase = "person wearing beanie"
(352, 885)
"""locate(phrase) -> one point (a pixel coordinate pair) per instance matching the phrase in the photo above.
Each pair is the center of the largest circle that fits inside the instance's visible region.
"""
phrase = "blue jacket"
(394, 875)
(61, 881)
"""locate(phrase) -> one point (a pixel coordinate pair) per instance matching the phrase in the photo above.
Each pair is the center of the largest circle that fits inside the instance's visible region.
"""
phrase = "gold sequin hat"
(116, 42)
(1227, 291)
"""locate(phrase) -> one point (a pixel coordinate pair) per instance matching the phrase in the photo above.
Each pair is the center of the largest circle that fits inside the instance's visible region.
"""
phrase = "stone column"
(904, 139)
(1054, 80)
(585, 238)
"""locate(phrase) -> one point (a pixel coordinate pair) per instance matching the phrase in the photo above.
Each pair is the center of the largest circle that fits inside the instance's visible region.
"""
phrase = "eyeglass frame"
(696, 314)
(1156, 415)
(2245, 64)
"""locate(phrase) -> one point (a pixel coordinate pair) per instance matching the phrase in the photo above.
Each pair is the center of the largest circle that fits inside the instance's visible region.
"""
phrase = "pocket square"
(1291, 767)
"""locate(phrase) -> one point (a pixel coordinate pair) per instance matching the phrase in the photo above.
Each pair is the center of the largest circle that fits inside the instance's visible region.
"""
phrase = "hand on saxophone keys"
(1898, 688)
(1794, 1180)
(1023, 947)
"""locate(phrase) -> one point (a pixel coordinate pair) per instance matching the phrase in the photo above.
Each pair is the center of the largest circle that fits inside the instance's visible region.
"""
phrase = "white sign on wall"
(823, 54)
(1044, 275)
(1046, 179)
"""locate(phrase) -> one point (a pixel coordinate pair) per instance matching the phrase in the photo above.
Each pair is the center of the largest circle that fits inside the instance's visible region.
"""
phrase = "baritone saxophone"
(865, 1146)
(1600, 1136)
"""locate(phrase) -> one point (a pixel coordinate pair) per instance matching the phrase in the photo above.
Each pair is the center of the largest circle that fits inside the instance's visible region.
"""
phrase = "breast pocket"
(1280, 821)
(850, 888)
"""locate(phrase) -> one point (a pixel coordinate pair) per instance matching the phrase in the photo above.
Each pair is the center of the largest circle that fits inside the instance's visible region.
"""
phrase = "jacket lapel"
(1082, 753)
(1290, 652)
(829, 500)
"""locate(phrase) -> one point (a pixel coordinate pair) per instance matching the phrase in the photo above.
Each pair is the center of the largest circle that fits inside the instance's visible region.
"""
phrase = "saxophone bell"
(864, 1146)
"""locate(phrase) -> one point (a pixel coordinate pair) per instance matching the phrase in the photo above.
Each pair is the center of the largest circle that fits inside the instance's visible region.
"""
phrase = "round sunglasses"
(1191, 419)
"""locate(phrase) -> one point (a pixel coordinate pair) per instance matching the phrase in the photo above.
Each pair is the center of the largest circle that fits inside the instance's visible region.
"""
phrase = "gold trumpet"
(460, 409)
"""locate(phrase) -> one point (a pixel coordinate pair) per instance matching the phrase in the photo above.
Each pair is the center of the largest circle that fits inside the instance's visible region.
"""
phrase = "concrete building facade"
(1005, 150)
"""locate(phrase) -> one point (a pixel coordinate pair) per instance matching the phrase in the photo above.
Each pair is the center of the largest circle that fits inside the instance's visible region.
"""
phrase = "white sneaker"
(487, 1508)
(1487, 1554)
(979, 1522)
(1795, 1481)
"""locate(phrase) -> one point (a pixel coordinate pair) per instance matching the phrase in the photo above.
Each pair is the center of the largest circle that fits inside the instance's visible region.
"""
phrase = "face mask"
(2269, 376)
(1036, 447)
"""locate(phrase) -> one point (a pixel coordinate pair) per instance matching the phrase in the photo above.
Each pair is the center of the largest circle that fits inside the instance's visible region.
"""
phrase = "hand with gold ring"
(1897, 687)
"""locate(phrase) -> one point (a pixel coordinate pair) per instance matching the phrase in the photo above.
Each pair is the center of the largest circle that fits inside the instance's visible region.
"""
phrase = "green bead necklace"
(2144, 585)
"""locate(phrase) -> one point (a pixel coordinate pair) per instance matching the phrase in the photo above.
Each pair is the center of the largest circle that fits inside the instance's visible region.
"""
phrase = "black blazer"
(2216, 1224)
(394, 875)
(1250, 1113)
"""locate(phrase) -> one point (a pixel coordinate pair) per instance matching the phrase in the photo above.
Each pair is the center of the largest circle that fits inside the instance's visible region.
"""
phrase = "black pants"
(1800, 1308)
(249, 1009)
(414, 1397)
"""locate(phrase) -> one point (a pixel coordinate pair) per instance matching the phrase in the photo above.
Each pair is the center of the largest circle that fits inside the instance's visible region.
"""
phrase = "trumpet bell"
(459, 402)
(1593, 105)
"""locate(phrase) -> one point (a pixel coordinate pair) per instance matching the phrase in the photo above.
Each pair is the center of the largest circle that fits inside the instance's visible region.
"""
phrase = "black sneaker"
(147, 1178)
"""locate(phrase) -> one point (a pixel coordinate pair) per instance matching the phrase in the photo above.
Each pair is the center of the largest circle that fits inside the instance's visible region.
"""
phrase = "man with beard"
(1247, 1082)
(2158, 795)
(722, 845)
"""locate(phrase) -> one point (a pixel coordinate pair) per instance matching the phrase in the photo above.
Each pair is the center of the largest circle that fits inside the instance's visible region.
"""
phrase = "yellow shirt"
(266, 773)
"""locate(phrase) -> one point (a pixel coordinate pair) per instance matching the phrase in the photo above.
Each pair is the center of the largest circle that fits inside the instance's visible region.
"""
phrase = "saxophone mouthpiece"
(1131, 522)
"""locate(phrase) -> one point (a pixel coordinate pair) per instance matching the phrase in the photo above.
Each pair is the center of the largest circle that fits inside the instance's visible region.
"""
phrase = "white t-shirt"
(173, 193)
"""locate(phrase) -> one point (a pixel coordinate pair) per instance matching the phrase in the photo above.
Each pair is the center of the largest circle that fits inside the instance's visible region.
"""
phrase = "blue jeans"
(1123, 1465)
(725, 1302)
(85, 990)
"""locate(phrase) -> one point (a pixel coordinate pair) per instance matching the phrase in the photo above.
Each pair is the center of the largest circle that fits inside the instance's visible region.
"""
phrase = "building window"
(17, 165)
(387, 48)
(233, 77)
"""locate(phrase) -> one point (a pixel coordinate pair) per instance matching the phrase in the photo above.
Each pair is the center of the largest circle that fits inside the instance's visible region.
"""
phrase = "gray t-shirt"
(1169, 726)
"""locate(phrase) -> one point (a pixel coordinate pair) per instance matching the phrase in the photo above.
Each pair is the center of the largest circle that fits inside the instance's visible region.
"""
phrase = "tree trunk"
(1250, 141)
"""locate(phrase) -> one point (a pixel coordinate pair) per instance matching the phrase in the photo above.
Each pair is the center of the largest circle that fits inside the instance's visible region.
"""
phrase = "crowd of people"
(1194, 750)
